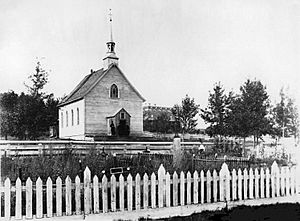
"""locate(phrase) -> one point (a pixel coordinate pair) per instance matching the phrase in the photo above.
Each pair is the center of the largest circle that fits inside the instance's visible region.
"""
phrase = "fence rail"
(118, 193)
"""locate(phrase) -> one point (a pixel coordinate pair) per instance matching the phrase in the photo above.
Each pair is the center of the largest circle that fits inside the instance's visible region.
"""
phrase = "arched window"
(114, 91)
(62, 119)
(77, 116)
(72, 117)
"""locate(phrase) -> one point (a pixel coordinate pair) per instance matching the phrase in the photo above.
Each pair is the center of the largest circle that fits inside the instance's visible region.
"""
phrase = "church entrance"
(119, 124)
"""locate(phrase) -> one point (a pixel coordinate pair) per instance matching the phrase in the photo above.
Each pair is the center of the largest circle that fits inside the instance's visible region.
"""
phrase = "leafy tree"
(8, 119)
(38, 80)
(286, 116)
(250, 111)
(216, 113)
(185, 114)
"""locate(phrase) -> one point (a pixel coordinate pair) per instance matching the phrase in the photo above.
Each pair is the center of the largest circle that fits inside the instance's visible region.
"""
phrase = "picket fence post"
(182, 191)
(275, 179)
(18, 199)
(168, 190)
(208, 186)
(129, 192)
(262, 182)
(58, 196)
(121, 192)
(161, 177)
(215, 185)
(153, 191)
(202, 186)
(49, 196)
(240, 178)
(251, 183)
(175, 189)
(77, 196)
(104, 194)
(95, 195)
(28, 198)
(87, 191)
(145, 191)
(233, 181)
(267, 183)
(196, 186)
(188, 188)
(68, 196)
(7, 198)
(138, 192)
(245, 184)
(256, 181)
(113, 193)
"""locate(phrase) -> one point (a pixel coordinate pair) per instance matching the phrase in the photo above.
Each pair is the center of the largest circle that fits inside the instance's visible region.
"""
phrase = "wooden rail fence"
(118, 193)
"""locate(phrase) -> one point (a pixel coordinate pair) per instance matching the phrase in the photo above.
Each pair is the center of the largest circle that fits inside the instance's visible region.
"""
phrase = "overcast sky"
(166, 48)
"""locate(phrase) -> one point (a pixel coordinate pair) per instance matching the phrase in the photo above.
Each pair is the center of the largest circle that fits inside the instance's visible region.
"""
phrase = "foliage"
(250, 111)
(217, 111)
(185, 114)
(286, 116)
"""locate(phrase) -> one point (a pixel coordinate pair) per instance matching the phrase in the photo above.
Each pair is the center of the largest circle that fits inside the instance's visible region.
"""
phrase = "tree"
(38, 80)
(8, 118)
(216, 113)
(286, 116)
(249, 113)
(185, 114)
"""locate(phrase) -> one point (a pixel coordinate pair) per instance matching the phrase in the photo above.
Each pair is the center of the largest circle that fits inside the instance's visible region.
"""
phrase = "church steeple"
(111, 57)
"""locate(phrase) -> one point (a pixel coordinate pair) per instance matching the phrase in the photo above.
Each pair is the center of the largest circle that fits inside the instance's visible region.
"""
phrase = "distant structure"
(104, 103)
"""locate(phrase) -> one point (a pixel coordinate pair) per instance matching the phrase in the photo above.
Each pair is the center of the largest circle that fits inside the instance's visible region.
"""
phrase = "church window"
(62, 119)
(67, 120)
(72, 117)
(77, 116)
(114, 91)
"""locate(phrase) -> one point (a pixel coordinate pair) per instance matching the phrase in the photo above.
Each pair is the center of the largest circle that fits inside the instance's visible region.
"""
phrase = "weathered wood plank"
(129, 193)
(153, 190)
(208, 186)
(28, 198)
(161, 177)
(113, 193)
(95, 194)
(188, 188)
(245, 172)
(145, 191)
(168, 190)
(138, 192)
(251, 183)
(49, 195)
(262, 183)
(182, 190)
(18, 199)
(215, 185)
(78, 196)
(58, 196)
(7, 197)
(202, 186)
(240, 180)
(256, 182)
(267, 183)
(68, 196)
(121, 193)
(196, 187)
(234, 188)
(104, 194)
(282, 180)
(87, 191)
(175, 189)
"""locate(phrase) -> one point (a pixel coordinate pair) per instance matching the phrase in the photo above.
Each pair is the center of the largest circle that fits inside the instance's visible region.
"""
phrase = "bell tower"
(111, 57)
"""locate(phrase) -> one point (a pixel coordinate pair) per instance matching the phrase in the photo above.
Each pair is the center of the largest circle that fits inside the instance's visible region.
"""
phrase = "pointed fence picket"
(162, 190)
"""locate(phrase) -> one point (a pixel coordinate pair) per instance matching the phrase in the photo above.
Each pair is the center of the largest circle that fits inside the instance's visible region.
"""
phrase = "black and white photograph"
(162, 110)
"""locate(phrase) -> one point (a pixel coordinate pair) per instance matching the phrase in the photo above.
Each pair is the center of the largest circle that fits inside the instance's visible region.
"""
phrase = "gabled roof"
(88, 83)
(122, 109)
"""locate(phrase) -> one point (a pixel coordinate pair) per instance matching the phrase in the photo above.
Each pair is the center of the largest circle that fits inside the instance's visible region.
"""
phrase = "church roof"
(88, 82)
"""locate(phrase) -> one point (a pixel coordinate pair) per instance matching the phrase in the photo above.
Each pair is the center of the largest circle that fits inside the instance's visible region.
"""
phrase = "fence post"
(18, 199)
(188, 188)
(121, 191)
(68, 197)
(7, 198)
(39, 198)
(182, 188)
(49, 196)
(77, 195)
(251, 183)
(175, 189)
(256, 178)
(153, 190)
(87, 191)
(138, 192)
(129, 192)
(215, 183)
(161, 177)
(267, 183)
(240, 178)
(104, 194)
(282, 180)
(208, 186)
(28, 198)
(168, 190)
(245, 184)
(196, 181)
(95, 194)
(275, 179)
(262, 182)
(177, 153)
(145, 191)
(234, 178)
(202, 186)
(113, 193)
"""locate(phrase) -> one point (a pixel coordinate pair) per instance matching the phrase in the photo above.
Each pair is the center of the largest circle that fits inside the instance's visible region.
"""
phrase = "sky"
(166, 48)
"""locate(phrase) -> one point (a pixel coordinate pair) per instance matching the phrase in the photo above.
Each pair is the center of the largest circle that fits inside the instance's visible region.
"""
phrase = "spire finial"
(110, 23)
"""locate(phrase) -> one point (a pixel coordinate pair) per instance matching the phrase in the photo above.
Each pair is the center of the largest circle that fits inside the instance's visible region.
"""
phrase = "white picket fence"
(50, 199)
